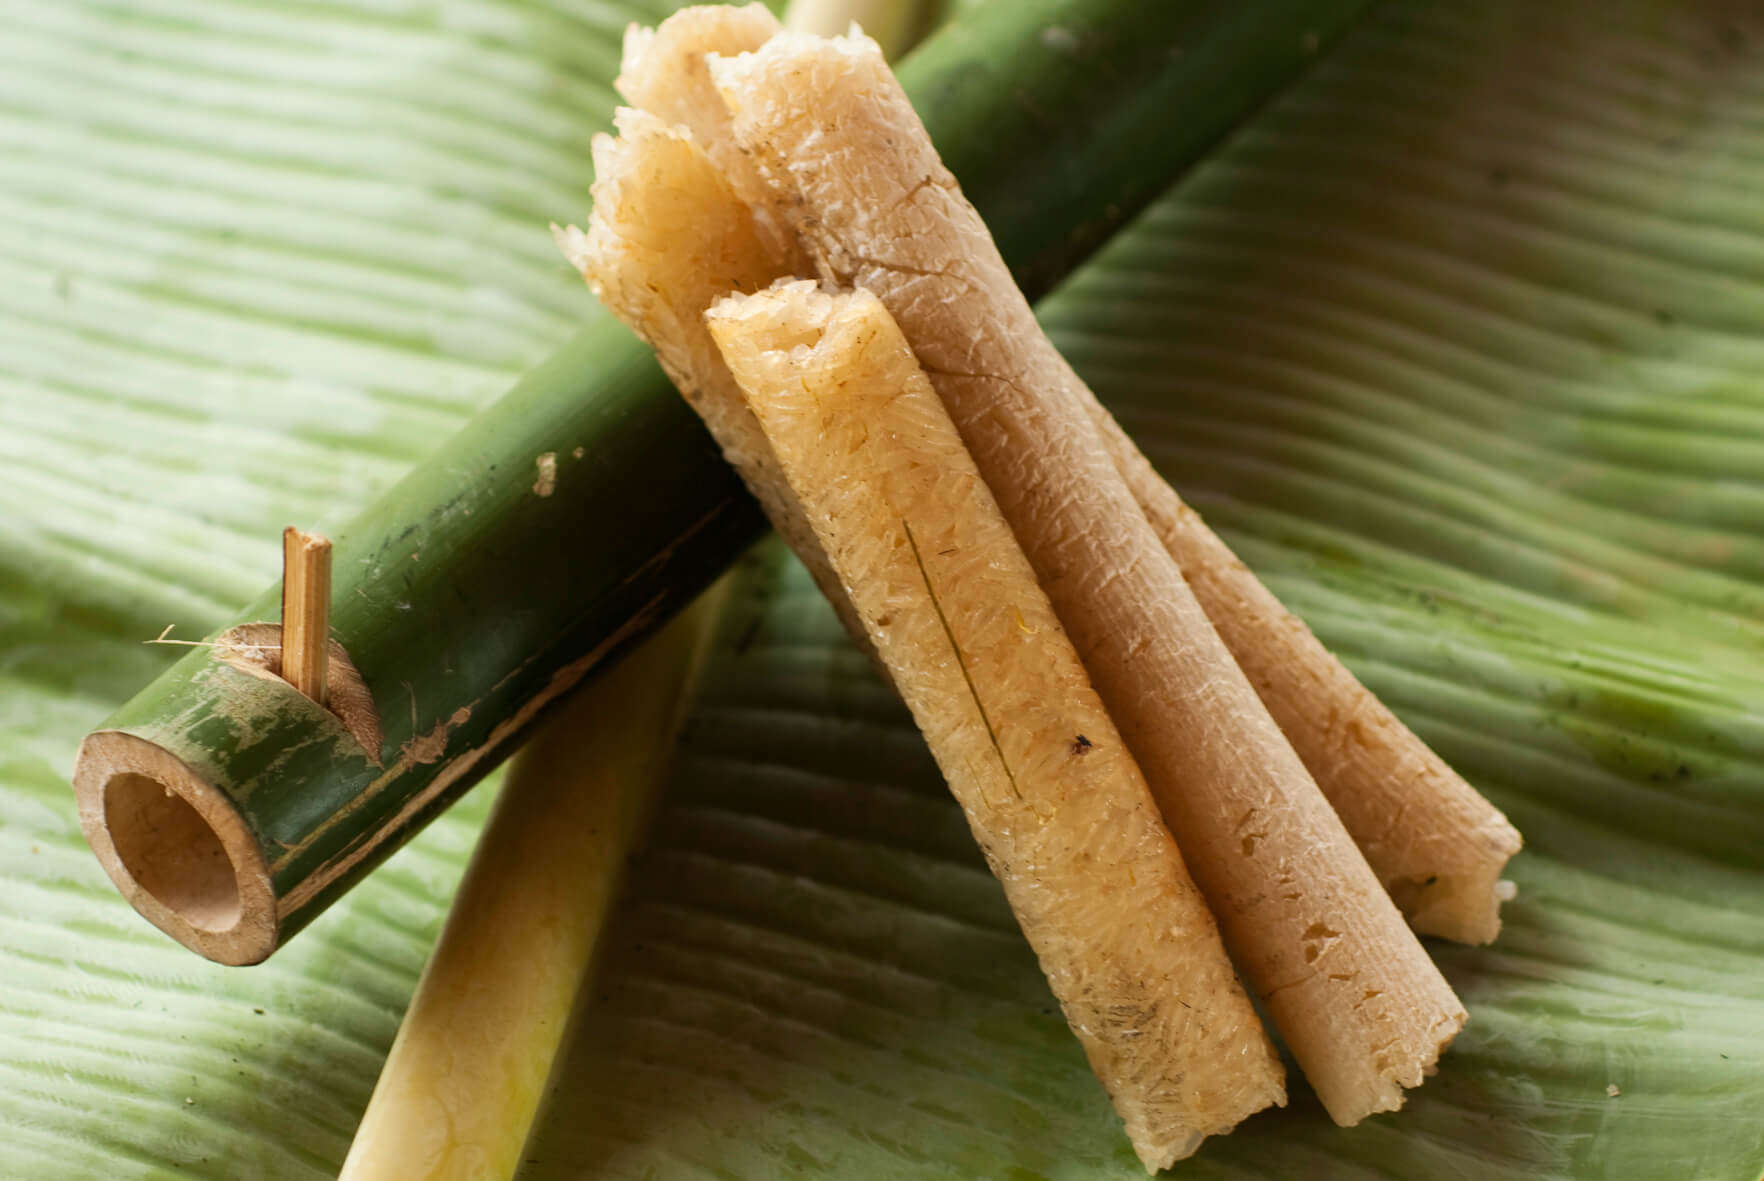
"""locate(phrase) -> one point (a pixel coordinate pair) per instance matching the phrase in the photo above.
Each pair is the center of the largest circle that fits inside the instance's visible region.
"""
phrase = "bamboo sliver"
(1361, 1006)
(1054, 798)
(1435, 843)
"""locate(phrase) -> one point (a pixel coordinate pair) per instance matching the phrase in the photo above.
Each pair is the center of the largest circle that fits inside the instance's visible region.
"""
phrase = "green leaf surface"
(1458, 344)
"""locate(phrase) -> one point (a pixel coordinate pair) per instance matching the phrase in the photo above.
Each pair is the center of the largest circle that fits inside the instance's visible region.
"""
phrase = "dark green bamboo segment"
(474, 592)
(587, 505)
(1062, 120)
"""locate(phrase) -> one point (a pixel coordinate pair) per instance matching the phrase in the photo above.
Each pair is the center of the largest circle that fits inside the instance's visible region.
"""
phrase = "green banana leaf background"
(1460, 343)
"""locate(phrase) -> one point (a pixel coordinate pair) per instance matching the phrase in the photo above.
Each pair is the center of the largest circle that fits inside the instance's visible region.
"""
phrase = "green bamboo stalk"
(587, 506)
(475, 592)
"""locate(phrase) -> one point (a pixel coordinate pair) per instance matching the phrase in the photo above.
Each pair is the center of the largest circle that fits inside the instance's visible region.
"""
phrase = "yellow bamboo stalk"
(1363, 1009)
(457, 1095)
(1052, 794)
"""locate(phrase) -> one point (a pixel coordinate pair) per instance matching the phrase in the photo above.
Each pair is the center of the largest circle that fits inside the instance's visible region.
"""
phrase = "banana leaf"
(1458, 343)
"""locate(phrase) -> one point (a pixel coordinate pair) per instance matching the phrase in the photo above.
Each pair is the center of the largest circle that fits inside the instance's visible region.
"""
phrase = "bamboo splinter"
(1052, 794)
(306, 612)
(1364, 1010)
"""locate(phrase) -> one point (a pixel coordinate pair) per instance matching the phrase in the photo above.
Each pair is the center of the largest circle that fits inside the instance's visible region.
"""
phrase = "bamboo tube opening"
(171, 853)
(176, 848)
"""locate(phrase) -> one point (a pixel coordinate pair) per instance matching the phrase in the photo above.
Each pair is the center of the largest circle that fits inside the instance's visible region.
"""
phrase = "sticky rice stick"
(1438, 847)
(1363, 1009)
(663, 72)
(667, 236)
(1435, 843)
(1055, 800)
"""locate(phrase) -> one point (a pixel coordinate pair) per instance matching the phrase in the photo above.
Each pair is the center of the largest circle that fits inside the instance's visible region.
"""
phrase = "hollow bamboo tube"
(1054, 799)
(306, 611)
(454, 583)
(1361, 1006)
(460, 1087)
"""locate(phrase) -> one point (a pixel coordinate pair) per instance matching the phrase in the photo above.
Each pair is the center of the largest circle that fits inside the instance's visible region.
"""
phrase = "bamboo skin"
(1052, 794)
(1360, 1005)
(1435, 843)
(306, 612)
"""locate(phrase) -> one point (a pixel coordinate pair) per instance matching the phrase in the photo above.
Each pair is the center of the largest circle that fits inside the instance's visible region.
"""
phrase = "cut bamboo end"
(170, 829)
(306, 612)
(176, 847)
(1054, 798)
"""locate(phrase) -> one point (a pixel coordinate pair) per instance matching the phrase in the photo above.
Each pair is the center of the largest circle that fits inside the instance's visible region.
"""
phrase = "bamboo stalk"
(461, 617)
(306, 612)
(459, 1090)
(453, 597)
(1054, 799)
(1363, 1009)
(1436, 844)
